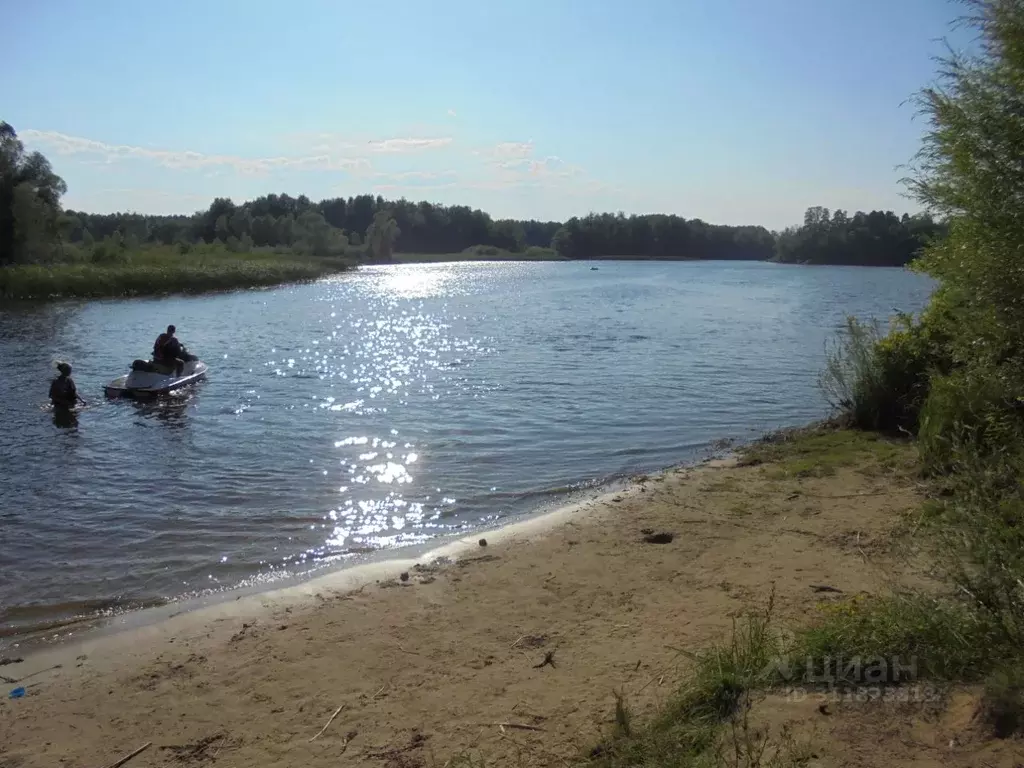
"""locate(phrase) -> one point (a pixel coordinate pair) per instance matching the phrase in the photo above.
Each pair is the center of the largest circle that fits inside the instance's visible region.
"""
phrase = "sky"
(732, 111)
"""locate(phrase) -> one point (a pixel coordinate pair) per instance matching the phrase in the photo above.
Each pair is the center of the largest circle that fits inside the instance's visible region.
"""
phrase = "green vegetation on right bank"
(952, 381)
(953, 378)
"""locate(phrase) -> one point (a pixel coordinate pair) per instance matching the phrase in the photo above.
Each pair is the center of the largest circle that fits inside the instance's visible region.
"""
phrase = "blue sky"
(733, 111)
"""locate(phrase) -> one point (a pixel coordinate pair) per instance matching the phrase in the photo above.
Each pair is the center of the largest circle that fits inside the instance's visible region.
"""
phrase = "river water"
(383, 408)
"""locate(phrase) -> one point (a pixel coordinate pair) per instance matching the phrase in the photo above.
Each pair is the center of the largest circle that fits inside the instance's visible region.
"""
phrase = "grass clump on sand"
(905, 637)
(819, 451)
(860, 644)
(162, 270)
(953, 378)
(707, 721)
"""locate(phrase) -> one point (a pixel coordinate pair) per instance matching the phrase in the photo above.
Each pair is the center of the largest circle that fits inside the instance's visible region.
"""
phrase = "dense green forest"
(34, 229)
(367, 224)
(879, 238)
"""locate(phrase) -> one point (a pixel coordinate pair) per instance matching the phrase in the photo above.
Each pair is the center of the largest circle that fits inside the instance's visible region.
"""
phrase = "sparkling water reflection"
(384, 408)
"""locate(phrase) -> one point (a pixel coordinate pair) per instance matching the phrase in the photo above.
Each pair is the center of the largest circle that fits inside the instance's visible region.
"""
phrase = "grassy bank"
(162, 270)
(866, 648)
(953, 380)
(157, 270)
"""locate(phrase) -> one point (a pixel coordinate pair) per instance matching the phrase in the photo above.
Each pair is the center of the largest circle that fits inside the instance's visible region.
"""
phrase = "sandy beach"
(508, 653)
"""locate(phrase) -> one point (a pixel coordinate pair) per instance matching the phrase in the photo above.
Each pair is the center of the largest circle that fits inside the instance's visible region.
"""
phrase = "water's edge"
(381, 565)
(381, 414)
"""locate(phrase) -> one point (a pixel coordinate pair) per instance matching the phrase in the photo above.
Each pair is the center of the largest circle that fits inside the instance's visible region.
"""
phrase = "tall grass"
(852, 378)
(707, 721)
(880, 381)
(160, 270)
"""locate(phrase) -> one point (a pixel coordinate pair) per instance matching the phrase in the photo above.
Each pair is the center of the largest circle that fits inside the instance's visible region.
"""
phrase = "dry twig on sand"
(126, 758)
(519, 726)
(327, 724)
(516, 726)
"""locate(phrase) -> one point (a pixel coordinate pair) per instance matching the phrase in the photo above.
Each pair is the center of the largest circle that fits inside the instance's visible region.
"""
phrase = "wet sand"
(508, 652)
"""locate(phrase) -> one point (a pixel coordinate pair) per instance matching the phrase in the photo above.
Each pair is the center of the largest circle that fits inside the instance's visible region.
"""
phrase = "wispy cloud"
(151, 194)
(410, 165)
(63, 144)
(336, 143)
(451, 113)
(407, 145)
(520, 171)
(507, 150)
(395, 188)
(512, 163)
(549, 166)
(411, 175)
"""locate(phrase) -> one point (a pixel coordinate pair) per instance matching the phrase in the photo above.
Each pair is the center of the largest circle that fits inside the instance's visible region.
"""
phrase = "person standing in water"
(63, 393)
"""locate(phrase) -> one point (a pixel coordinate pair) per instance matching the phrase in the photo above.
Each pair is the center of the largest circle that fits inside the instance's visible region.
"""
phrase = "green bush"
(108, 253)
(486, 250)
(881, 382)
(980, 531)
(972, 410)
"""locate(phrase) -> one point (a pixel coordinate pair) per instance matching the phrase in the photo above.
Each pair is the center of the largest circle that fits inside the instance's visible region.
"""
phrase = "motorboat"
(149, 379)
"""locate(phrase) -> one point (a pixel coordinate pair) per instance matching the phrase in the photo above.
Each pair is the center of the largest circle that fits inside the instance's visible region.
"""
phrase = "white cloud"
(414, 188)
(550, 165)
(451, 113)
(410, 165)
(550, 171)
(335, 143)
(329, 155)
(508, 150)
(409, 175)
(407, 145)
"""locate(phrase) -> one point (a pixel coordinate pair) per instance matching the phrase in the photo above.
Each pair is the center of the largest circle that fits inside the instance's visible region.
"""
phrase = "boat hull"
(153, 383)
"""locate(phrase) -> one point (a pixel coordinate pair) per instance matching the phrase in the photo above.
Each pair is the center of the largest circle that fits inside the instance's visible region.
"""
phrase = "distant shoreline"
(161, 272)
(153, 278)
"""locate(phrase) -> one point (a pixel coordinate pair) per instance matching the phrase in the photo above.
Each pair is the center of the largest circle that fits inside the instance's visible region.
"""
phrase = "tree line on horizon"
(35, 228)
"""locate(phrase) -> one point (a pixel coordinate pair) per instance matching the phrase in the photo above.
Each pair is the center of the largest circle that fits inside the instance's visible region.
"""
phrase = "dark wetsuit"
(167, 350)
(63, 393)
(162, 348)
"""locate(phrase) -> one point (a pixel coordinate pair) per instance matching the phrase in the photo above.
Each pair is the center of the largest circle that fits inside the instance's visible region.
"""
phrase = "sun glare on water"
(418, 281)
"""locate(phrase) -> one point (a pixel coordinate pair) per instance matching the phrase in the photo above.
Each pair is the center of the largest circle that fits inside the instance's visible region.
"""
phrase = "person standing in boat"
(63, 393)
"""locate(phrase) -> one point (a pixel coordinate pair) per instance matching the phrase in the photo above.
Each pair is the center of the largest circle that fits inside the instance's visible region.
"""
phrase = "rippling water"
(384, 408)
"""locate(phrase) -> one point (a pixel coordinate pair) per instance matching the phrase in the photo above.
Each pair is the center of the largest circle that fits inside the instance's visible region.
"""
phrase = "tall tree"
(382, 234)
(30, 195)
(970, 169)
